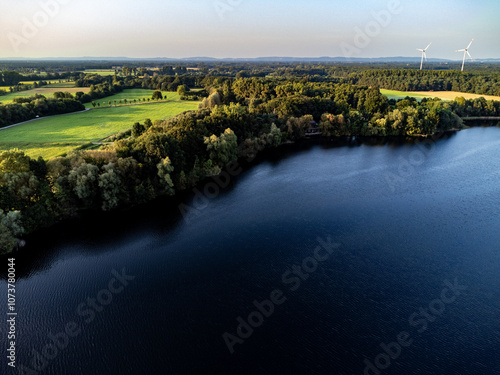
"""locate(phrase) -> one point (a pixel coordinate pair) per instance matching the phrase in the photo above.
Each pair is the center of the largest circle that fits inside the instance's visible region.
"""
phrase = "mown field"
(52, 136)
(101, 72)
(451, 95)
(47, 91)
(393, 94)
(7, 88)
(130, 95)
(443, 95)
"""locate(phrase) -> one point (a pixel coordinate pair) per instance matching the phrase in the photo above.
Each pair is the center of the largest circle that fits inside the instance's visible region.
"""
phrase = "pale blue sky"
(246, 28)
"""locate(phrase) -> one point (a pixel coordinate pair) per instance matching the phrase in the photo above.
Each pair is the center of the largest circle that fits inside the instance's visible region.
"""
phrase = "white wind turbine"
(466, 52)
(423, 55)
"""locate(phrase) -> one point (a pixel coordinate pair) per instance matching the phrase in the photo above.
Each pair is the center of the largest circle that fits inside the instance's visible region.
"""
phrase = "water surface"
(407, 218)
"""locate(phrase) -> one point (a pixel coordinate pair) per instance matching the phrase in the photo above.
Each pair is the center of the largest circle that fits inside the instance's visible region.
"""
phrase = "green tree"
(7, 240)
(157, 95)
(137, 130)
(10, 228)
(274, 136)
(165, 168)
(181, 90)
(148, 123)
(83, 180)
(110, 184)
(14, 161)
(297, 126)
(222, 149)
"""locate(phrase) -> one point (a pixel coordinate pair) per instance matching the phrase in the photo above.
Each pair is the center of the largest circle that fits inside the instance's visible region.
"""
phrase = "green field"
(101, 72)
(131, 94)
(47, 91)
(53, 136)
(396, 95)
(443, 95)
(62, 84)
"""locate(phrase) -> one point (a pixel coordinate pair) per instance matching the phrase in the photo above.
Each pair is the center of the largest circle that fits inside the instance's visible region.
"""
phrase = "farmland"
(443, 95)
(451, 95)
(53, 136)
(47, 91)
(101, 72)
(393, 94)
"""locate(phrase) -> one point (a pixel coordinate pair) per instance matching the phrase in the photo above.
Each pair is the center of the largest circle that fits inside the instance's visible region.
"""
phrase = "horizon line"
(110, 58)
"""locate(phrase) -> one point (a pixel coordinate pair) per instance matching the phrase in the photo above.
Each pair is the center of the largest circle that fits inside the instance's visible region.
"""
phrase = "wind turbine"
(466, 52)
(423, 55)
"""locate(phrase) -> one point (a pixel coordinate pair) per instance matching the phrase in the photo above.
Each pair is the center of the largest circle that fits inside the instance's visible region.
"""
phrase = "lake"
(363, 257)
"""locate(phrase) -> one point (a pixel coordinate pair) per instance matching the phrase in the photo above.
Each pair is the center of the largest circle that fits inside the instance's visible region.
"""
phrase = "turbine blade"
(428, 46)
(470, 44)
(421, 50)
(425, 56)
(460, 50)
(470, 56)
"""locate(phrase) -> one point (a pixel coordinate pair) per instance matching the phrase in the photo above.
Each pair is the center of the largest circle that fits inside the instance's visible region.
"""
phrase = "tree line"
(430, 80)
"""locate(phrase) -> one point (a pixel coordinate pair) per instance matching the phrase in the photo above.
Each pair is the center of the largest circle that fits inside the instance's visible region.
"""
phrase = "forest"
(416, 80)
(238, 118)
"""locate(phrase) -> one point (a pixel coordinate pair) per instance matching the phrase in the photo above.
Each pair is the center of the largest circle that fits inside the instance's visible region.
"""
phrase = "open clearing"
(444, 95)
(52, 136)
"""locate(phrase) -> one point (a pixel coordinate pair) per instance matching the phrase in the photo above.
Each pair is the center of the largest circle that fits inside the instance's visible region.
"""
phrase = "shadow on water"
(91, 232)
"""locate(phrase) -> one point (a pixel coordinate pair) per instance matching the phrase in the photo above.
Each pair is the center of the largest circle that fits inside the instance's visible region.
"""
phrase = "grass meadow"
(53, 136)
(47, 91)
(101, 72)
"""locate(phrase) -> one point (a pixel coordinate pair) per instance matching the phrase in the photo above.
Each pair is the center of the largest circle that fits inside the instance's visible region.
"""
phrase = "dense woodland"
(237, 119)
(416, 80)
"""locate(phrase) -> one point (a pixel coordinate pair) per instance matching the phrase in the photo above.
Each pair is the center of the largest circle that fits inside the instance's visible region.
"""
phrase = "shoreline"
(284, 150)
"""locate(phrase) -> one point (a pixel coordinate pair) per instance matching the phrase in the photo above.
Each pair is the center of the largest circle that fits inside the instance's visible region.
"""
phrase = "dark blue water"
(406, 218)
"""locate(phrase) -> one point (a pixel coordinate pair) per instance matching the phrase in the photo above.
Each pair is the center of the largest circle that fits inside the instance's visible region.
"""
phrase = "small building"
(313, 129)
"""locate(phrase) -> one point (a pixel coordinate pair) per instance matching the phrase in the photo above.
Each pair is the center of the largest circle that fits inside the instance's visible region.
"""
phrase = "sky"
(248, 28)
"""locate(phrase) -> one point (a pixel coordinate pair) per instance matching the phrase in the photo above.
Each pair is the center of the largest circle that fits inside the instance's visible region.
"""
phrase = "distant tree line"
(12, 77)
(429, 80)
